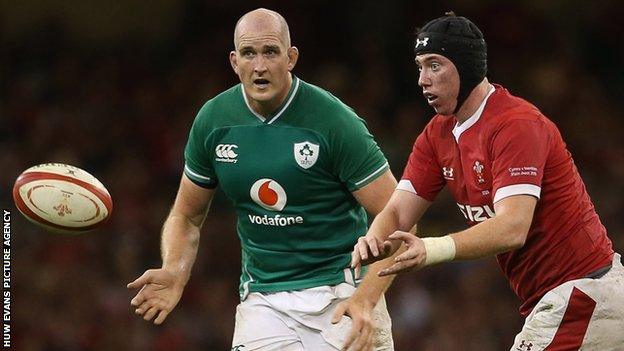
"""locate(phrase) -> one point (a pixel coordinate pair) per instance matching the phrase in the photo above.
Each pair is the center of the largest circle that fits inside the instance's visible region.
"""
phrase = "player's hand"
(160, 292)
(369, 249)
(360, 337)
(413, 258)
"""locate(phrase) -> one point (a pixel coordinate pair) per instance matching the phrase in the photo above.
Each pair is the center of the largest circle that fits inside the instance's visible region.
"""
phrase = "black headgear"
(459, 40)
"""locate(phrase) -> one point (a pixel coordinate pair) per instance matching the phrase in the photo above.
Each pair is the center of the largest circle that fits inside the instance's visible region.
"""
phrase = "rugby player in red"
(515, 182)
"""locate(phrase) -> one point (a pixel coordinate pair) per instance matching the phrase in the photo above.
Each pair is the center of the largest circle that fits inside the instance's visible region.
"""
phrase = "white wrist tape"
(439, 249)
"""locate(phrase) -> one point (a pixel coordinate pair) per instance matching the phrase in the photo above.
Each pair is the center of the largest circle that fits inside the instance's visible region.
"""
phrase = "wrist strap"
(439, 249)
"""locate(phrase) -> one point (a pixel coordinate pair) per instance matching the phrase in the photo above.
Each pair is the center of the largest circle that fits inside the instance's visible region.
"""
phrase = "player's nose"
(423, 79)
(260, 65)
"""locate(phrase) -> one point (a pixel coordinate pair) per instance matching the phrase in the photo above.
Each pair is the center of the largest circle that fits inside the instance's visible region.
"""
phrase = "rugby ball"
(62, 198)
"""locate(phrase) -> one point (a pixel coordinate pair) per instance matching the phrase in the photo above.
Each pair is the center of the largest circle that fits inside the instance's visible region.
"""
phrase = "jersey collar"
(294, 87)
(459, 129)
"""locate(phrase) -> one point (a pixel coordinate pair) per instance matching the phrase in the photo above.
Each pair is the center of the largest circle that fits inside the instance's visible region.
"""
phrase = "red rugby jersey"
(508, 147)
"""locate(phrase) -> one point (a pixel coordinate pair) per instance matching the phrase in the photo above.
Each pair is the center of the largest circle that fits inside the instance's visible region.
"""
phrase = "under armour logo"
(423, 42)
(523, 345)
(448, 173)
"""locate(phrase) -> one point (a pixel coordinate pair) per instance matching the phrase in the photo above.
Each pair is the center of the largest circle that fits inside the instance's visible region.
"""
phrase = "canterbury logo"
(226, 153)
(424, 42)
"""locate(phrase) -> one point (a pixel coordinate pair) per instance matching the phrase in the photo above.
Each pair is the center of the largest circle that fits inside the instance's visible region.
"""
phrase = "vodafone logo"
(268, 194)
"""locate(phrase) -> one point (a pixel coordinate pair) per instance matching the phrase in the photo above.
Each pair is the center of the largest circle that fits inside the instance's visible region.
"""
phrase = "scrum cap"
(461, 41)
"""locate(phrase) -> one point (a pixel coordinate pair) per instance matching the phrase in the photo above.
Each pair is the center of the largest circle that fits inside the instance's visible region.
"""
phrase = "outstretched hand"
(369, 249)
(160, 292)
(413, 258)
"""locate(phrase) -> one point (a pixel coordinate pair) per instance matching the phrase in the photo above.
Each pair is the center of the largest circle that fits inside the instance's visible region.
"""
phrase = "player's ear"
(293, 56)
(233, 61)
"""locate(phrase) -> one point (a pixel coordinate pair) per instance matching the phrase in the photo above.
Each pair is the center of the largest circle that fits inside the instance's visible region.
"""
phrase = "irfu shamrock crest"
(306, 154)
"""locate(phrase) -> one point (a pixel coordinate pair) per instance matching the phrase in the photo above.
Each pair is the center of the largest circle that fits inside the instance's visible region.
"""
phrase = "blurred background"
(113, 87)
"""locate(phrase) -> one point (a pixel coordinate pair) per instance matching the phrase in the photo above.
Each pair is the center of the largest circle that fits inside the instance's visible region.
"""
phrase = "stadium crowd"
(122, 111)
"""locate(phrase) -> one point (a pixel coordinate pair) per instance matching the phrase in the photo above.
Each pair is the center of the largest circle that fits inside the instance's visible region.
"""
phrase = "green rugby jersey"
(290, 177)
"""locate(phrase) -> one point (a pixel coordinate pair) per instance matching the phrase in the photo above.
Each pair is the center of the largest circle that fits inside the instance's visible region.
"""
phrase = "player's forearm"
(386, 223)
(491, 237)
(180, 239)
(373, 286)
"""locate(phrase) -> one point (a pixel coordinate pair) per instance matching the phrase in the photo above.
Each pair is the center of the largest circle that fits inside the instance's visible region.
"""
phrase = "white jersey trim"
(517, 189)
(460, 128)
(406, 185)
(348, 275)
(246, 290)
(372, 174)
(290, 99)
(259, 116)
(281, 111)
(190, 172)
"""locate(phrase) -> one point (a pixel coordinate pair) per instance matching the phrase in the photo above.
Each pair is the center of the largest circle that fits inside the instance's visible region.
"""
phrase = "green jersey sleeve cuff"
(198, 179)
(358, 184)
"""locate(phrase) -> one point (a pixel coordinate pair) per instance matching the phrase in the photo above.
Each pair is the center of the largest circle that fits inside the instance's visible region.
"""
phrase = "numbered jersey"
(290, 177)
(509, 148)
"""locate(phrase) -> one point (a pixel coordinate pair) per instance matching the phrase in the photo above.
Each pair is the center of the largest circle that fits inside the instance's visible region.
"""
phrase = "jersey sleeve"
(357, 158)
(422, 174)
(519, 151)
(197, 157)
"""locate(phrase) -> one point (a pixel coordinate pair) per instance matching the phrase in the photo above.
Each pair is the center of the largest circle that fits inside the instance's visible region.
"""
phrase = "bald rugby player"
(302, 170)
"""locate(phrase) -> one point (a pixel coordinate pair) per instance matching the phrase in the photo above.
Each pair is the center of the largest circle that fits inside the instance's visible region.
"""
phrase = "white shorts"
(582, 314)
(301, 320)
